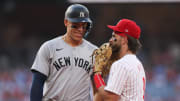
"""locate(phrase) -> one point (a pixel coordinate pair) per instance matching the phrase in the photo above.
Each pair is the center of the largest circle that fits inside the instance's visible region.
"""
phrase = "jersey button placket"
(73, 56)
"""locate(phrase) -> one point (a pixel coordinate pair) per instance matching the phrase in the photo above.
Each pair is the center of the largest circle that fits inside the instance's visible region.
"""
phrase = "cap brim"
(114, 28)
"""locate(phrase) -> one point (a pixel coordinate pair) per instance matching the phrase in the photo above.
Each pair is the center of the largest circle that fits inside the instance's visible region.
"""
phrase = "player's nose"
(110, 40)
(80, 28)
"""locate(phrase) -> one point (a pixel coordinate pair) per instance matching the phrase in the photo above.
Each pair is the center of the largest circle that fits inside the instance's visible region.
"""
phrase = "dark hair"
(133, 44)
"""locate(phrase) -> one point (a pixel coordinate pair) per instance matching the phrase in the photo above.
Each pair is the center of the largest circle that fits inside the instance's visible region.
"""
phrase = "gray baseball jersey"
(68, 70)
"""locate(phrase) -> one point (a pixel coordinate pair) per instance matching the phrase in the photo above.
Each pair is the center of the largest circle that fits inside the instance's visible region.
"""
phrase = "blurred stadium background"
(26, 24)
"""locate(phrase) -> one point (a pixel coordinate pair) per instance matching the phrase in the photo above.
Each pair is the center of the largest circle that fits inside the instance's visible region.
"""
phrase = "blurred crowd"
(15, 85)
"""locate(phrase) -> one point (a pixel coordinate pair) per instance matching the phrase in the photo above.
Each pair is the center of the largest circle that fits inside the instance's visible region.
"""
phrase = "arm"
(37, 86)
(101, 94)
(97, 97)
(102, 66)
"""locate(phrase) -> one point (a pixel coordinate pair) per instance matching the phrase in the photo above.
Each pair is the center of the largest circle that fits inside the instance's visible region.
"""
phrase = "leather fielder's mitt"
(102, 57)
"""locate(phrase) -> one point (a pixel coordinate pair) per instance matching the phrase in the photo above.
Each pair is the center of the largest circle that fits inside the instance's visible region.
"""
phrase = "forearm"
(99, 84)
(98, 97)
(101, 94)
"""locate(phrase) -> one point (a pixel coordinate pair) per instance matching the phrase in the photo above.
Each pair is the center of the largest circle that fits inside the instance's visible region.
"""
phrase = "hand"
(102, 56)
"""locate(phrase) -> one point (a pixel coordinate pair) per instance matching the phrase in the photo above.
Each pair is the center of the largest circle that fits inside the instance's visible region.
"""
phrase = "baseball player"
(127, 79)
(62, 67)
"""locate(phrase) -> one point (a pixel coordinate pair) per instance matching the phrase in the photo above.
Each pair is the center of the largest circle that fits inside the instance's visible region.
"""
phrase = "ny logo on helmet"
(82, 14)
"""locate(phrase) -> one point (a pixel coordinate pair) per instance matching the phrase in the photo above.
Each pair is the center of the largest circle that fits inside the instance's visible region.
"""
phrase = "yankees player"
(127, 77)
(62, 67)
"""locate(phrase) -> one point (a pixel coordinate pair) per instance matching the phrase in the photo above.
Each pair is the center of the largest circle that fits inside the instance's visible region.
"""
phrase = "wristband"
(99, 72)
(98, 80)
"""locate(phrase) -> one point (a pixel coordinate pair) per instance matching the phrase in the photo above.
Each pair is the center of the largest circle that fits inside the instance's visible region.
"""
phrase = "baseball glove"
(103, 60)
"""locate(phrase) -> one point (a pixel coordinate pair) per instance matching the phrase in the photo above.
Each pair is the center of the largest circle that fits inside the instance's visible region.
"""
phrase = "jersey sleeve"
(41, 62)
(117, 79)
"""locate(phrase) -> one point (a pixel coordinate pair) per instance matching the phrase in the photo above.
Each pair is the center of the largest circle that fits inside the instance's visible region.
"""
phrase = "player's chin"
(77, 38)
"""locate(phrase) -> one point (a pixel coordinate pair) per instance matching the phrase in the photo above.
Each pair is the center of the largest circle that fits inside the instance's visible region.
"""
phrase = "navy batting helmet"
(78, 13)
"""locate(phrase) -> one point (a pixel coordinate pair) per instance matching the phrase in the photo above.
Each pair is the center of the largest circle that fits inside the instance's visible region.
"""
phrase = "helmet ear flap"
(88, 29)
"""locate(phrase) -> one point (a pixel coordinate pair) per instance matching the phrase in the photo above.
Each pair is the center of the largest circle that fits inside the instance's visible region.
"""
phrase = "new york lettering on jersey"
(66, 61)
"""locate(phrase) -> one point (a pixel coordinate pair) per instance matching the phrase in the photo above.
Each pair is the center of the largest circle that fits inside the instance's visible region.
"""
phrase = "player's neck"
(124, 51)
(70, 41)
(122, 54)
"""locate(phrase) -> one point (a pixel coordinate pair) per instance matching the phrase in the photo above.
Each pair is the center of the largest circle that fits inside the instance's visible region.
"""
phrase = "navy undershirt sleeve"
(37, 86)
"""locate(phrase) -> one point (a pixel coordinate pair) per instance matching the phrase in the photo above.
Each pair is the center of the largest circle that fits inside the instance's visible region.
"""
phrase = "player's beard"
(115, 52)
(116, 48)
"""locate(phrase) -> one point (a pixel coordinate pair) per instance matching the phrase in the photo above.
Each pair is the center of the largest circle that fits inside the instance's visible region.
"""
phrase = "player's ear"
(65, 22)
(124, 39)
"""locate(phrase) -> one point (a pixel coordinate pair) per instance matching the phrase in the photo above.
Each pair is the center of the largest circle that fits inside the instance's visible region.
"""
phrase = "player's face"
(115, 42)
(76, 30)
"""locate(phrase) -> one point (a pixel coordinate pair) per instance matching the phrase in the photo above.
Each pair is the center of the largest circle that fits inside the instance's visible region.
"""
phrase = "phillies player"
(127, 79)
(62, 67)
